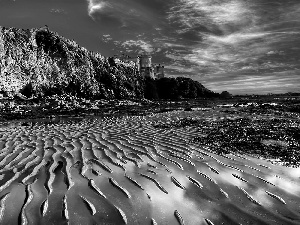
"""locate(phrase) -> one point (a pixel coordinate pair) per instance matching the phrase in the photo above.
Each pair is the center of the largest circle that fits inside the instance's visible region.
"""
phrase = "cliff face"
(39, 62)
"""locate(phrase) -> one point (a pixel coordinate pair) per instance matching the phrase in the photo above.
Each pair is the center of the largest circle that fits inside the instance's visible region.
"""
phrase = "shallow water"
(122, 170)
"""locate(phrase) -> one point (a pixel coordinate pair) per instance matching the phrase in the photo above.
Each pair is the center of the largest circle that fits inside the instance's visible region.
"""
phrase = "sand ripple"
(124, 171)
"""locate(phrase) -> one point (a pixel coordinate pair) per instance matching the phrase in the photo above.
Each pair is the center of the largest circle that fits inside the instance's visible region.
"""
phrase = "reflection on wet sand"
(124, 171)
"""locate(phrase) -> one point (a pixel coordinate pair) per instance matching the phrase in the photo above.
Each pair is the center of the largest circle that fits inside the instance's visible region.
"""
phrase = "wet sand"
(125, 171)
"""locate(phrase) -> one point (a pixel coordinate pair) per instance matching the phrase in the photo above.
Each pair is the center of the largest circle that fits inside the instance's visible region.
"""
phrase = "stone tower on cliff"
(144, 65)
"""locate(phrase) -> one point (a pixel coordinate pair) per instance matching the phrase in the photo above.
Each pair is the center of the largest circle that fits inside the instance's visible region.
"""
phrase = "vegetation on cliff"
(176, 88)
(39, 63)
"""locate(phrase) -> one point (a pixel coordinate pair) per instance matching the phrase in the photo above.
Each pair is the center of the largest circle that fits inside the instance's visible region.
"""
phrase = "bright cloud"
(191, 13)
(106, 38)
(143, 45)
(58, 11)
(95, 6)
(235, 38)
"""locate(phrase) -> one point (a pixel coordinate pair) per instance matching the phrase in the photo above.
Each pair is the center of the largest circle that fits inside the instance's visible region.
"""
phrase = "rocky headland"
(39, 62)
(42, 73)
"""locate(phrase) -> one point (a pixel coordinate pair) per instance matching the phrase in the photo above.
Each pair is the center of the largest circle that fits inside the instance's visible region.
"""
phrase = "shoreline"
(66, 105)
(223, 116)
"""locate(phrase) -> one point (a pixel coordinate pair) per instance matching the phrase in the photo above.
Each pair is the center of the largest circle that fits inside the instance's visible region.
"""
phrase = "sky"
(240, 46)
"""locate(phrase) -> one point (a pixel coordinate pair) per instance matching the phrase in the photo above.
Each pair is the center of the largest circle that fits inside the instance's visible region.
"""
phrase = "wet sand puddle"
(124, 171)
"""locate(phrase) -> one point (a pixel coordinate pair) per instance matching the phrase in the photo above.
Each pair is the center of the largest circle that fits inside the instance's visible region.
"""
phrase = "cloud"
(142, 45)
(106, 38)
(58, 11)
(132, 15)
(235, 38)
(220, 29)
(235, 35)
(177, 68)
(95, 6)
(212, 15)
(272, 82)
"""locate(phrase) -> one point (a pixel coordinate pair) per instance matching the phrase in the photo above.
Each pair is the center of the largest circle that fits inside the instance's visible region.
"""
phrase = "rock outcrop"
(39, 62)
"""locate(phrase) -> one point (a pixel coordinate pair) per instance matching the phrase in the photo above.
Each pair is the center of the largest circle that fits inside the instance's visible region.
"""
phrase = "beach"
(124, 170)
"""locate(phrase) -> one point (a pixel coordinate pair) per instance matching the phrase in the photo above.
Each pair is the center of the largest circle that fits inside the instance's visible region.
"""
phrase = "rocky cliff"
(39, 62)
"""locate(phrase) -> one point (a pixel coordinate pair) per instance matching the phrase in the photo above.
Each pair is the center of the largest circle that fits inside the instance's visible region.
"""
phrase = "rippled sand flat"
(124, 171)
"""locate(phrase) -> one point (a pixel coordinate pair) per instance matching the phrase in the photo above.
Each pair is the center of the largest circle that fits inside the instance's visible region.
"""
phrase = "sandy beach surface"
(125, 171)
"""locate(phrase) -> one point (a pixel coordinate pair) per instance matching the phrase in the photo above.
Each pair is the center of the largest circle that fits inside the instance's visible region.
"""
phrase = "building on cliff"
(144, 65)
